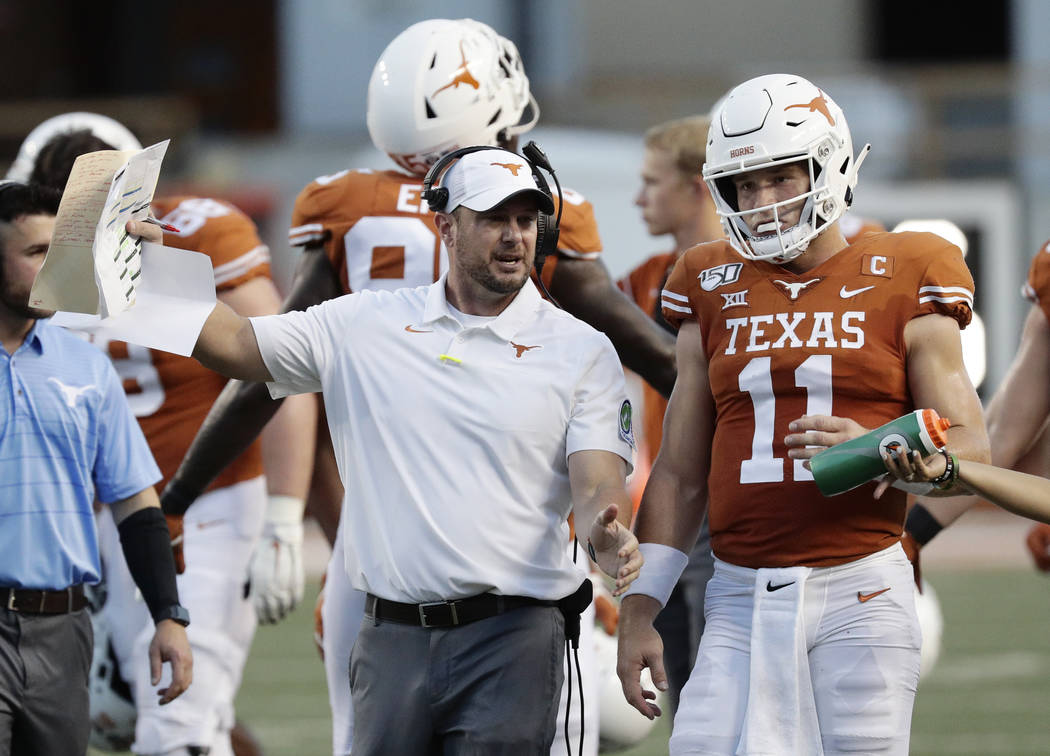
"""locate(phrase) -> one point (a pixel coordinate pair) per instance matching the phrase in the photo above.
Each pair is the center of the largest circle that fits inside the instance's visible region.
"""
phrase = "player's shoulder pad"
(326, 193)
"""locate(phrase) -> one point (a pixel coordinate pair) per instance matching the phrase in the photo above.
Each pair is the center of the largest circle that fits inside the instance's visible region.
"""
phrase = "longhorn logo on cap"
(512, 167)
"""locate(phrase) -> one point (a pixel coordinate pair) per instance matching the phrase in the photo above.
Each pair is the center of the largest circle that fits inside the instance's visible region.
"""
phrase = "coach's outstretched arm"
(600, 499)
(228, 346)
(243, 409)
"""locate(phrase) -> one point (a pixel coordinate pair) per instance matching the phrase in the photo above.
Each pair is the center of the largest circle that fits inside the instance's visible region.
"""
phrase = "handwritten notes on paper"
(93, 266)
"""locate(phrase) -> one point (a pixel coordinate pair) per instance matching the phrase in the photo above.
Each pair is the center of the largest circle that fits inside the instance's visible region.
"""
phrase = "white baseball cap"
(481, 180)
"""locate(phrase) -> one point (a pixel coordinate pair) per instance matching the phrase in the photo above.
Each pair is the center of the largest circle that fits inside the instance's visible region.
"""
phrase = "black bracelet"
(921, 525)
(947, 478)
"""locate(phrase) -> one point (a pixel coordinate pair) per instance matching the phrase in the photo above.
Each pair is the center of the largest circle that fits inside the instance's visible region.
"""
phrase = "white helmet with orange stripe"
(443, 84)
(774, 120)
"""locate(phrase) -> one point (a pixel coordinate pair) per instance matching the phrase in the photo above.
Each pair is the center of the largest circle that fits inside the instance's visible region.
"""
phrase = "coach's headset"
(548, 226)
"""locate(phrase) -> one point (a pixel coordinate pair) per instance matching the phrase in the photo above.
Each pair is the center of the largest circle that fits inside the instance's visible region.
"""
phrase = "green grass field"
(989, 694)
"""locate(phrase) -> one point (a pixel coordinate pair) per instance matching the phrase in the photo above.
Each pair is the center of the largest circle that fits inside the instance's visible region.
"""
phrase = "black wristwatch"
(174, 612)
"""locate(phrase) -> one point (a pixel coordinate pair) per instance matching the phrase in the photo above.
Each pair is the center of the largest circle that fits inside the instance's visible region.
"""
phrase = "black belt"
(29, 601)
(448, 613)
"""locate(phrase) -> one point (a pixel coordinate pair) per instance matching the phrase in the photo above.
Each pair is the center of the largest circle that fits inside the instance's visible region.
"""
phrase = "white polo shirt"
(452, 441)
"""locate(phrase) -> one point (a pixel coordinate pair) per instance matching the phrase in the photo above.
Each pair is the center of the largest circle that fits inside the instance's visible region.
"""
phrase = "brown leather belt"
(29, 601)
(447, 613)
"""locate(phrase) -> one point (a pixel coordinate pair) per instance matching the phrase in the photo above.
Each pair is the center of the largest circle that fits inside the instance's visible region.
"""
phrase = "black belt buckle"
(449, 618)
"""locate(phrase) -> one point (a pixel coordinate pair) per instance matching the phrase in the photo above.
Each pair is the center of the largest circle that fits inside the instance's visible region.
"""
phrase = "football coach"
(469, 418)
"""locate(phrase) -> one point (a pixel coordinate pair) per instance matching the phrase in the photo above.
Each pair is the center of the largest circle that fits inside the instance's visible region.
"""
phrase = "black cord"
(583, 713)
(568, 698)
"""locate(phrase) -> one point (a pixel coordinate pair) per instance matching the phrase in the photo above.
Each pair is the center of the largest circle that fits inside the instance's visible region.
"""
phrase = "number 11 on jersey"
(813, 375)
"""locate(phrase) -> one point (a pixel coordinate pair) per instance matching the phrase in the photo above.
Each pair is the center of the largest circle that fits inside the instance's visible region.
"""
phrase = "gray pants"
(681, 621)
(491, 687)
(44, 664)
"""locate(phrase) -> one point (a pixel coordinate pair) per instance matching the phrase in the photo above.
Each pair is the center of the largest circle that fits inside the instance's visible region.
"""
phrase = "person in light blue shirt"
(67, 439)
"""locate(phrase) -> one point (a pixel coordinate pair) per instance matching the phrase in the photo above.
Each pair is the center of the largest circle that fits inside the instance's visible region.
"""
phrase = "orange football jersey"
(779, 346)
(1037, 289)
(855, 226)
(379, 233)
(169, 394)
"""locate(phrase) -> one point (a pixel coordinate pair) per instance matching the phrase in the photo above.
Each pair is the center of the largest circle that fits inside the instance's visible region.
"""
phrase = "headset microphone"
(538, 158)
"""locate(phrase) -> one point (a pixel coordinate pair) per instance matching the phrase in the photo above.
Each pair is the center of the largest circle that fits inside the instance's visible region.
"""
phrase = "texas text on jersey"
(769, 333)
(378, 233)
(170, 395)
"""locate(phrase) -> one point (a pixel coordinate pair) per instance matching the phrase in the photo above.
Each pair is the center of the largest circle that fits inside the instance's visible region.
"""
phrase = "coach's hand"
(171, 645)
(276, 571)
(614, 548)
(145, 231)
(640, 647)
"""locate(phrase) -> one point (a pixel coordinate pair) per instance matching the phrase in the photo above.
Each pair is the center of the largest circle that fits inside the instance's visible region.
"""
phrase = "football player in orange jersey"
(812, 641)
(674, 200)
(439, 85)
(170, 396)
(1017, 421)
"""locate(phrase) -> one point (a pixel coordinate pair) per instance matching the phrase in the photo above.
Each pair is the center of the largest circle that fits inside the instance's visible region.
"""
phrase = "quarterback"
(790, 340)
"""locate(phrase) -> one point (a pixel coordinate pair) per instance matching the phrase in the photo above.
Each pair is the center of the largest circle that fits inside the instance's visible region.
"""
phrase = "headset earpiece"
(436, 198)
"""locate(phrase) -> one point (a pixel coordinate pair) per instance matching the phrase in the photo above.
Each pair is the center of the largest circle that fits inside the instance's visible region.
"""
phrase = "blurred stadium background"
(261, 96)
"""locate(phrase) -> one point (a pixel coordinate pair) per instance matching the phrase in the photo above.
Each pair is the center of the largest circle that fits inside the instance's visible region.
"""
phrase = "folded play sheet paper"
(175, 295)
(92, 265)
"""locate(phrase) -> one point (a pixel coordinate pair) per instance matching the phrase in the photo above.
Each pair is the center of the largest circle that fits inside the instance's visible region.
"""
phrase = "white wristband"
(281, 508)
(660, 572)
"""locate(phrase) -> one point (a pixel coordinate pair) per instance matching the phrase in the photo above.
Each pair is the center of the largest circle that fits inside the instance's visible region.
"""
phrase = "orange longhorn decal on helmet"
(463, 75)
(818, 104)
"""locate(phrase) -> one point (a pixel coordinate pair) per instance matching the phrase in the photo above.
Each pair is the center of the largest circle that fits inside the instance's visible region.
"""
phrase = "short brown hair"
(686, 141)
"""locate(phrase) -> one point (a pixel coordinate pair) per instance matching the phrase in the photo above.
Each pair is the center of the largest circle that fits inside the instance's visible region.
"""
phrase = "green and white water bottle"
(853, 463)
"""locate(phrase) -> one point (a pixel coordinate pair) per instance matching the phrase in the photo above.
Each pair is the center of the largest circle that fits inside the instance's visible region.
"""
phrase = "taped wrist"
(147, 550)
(922, 525)
(660, 572)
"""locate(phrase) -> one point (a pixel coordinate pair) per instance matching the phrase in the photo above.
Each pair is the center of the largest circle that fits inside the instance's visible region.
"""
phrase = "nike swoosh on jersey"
(770, 587)
(862, 597)
(410, 329)
(846, 293)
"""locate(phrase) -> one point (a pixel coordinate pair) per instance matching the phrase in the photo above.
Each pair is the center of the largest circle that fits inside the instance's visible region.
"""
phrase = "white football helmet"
(620, 725)
(444, 84)
(773, 120)
(111, 705)
(105, 128)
